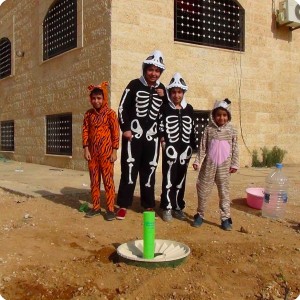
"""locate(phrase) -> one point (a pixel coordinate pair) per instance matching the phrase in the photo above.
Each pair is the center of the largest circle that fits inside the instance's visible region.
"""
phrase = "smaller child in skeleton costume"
(177, 137)
(219, 152)
(138, 115)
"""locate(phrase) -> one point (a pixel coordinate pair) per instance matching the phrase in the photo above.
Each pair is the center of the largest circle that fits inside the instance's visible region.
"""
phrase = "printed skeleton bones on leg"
(149, 136)
(138, 131)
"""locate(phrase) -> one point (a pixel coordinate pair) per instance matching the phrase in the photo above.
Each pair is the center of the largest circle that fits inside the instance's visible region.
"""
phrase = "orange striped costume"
(100, 133)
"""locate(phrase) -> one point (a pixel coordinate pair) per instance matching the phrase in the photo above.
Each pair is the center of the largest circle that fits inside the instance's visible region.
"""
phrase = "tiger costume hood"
(103, 86)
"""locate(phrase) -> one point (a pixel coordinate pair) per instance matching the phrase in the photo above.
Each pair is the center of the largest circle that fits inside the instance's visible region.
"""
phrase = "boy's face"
(152, 74)
(96, 100)
(176, 95)
(221, 117)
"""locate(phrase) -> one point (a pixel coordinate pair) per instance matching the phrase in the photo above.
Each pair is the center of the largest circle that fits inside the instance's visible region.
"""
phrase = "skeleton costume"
(139, 112)
(176, 127)
(219, 152)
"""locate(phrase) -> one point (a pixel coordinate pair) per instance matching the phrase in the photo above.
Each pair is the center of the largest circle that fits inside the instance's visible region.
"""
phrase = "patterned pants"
(208, 175)
(102, 168)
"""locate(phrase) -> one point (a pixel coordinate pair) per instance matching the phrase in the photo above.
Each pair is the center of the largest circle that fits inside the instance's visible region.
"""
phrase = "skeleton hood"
(177, 82)
(156, 58)
(226, 104)
(104, 87)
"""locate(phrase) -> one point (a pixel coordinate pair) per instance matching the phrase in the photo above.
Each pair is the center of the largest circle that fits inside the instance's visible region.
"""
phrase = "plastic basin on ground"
(255, 197)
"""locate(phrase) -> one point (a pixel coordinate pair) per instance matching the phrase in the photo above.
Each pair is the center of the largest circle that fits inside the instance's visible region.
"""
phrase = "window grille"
(60, 28)
(5, 57)
(7, 136)
(201, 119)
(59, 134)
(216, 23)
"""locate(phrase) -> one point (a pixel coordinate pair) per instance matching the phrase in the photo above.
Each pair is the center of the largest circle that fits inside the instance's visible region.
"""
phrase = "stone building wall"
(59, 85)
(115, 36)
(262, 82)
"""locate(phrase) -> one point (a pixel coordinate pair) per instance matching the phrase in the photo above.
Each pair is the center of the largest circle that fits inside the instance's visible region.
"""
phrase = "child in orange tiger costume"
(100, 137)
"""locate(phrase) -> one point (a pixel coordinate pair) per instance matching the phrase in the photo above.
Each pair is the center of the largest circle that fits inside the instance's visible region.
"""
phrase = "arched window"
(215, 23)
(60, 28)
(5, 57)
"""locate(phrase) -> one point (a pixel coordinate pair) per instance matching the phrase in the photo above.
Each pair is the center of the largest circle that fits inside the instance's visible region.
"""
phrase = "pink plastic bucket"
(255, 197)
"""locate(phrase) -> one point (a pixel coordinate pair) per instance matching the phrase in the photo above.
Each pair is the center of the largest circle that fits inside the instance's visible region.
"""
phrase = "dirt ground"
(48, 250)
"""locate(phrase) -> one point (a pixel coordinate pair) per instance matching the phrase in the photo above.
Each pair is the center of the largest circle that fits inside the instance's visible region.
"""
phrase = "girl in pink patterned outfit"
(218, 153)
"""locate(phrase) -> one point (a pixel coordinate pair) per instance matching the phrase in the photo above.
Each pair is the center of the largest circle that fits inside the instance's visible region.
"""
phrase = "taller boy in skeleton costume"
(219, 152)
(138, 117)
(178, 140)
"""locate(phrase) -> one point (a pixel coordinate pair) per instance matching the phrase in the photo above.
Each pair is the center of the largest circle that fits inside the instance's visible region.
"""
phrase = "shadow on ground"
(241, 204)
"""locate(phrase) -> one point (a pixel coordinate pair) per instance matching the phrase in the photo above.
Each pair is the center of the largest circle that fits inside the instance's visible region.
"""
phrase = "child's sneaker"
(226, 224)
(92, 213)
(197, 220)
(121, 213)
(167, 215)
(110, 215)
(179, 214)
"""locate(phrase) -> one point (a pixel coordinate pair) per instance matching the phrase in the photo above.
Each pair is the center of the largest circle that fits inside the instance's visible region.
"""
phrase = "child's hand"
(196, 167)
(113, 156)
(232, 170)
(160, 92)
(86, 154)
(128, 135)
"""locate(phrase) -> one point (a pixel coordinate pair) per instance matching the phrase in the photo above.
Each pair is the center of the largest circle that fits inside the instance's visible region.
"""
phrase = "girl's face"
(176, 95)
(152, 74)
(97, 100)
(220, 116)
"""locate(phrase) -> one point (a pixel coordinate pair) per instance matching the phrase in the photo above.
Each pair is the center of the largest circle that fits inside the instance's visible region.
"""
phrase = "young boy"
(219, 152)
(177, 137)
(100, 137)
(138, 116)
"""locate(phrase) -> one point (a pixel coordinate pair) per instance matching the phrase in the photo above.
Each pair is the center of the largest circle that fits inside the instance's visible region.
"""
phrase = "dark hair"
(220, 108)
(146, 66)
(96, 91)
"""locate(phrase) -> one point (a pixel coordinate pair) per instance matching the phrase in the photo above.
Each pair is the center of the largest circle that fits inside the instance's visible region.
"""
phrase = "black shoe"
(179, 214)
(110, 215)
(92, 213)
(226, 224)
(197, 220)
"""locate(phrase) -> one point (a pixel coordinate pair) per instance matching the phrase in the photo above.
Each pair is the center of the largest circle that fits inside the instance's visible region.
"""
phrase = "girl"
(219, 152)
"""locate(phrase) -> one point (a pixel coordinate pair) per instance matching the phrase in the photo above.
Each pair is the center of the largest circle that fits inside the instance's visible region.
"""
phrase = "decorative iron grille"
(216, 23)
(7, 135)
(60, 28)
(5, 57)
(59, 134)
(201, 119)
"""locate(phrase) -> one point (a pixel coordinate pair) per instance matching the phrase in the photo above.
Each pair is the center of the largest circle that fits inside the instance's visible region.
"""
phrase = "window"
(60, 28)
(215, 23)
(5, 57)
(59, 134)
(201, 119)
(7, 136)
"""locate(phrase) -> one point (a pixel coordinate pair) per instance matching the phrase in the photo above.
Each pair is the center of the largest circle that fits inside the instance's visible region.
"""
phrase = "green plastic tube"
(149, 234)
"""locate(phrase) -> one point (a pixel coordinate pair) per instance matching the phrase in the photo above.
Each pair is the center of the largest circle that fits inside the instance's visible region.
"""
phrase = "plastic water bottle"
(275, 198)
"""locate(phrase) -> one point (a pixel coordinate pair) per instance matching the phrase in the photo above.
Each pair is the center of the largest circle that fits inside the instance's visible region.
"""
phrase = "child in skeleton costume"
(219, 152)
(138, 117)
(177, 137)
